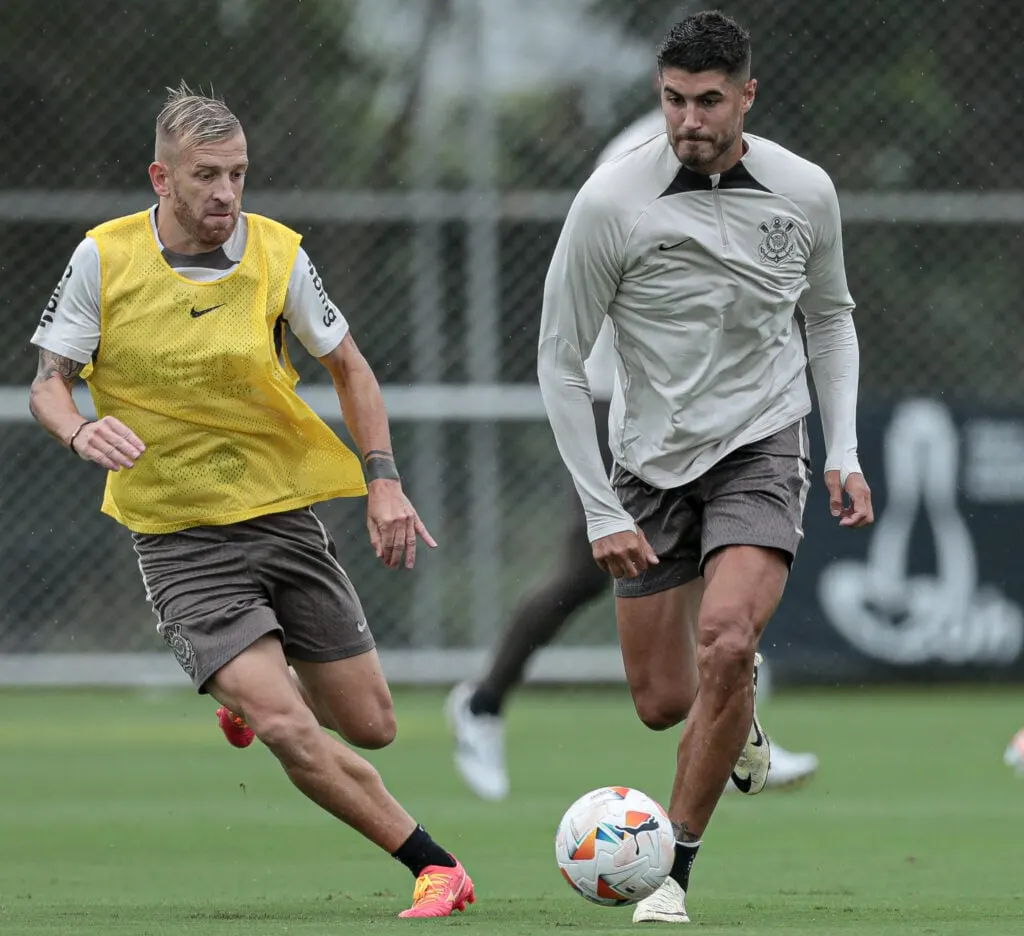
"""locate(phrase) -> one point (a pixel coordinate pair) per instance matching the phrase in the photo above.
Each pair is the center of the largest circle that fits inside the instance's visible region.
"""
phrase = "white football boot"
(666, 905)
(479, 745)
(751, 771)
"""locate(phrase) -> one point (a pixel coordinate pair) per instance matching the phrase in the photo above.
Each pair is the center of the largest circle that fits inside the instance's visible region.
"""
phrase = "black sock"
(685, 854)
(485, 701)
(419, 850)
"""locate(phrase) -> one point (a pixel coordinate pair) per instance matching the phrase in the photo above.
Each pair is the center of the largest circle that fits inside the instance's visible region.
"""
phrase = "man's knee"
(373, 733)
(662, 707)
(727, 640)
(369, 723)
(291, 732)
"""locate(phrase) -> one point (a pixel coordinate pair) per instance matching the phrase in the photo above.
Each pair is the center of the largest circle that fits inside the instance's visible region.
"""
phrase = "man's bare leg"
(658, 637)
(744, 585)
(258, 686)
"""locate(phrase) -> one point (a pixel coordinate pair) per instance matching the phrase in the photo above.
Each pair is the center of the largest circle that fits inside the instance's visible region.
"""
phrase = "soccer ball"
(1014, 755)
(615, 846)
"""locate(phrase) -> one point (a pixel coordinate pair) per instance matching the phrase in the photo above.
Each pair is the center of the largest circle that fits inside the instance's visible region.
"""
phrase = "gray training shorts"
(218, 589)
(754, 496)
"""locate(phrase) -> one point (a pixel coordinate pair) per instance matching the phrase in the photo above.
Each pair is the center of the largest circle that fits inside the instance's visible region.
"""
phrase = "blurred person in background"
(475, 710)
(175, 316)
(697, 247)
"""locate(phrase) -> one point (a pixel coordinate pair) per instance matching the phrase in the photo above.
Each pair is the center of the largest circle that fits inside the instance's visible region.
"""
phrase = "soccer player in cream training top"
(475, 711)
(697, 246)
(176, 318)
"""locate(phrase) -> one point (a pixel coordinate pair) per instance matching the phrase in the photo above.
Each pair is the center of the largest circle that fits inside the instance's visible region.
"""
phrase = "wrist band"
(74, 435)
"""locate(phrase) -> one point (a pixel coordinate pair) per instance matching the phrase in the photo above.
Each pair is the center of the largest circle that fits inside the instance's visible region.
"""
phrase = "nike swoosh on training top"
(197, 312)
(673, 246)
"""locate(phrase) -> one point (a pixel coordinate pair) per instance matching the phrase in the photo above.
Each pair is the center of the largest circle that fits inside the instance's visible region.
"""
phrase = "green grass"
(126, 813)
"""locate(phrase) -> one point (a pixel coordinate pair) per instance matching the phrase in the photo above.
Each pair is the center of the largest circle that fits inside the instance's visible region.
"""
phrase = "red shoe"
(234, 727)
(439, 892)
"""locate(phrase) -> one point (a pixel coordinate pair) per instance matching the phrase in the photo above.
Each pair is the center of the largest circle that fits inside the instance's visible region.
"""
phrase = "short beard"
(722, 147)
(192, 226)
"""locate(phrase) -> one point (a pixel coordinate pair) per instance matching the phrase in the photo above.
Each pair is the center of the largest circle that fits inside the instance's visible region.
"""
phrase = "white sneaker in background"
(479, 745)
(666, 905)
(790, 769)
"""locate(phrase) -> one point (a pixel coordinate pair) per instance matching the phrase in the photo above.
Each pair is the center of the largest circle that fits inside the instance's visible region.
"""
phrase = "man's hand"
(624, 555)
(859, 511)
(109, 443)
(393, 524)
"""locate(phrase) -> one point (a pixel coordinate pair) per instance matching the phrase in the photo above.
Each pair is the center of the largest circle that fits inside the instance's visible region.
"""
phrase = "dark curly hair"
(708, 41)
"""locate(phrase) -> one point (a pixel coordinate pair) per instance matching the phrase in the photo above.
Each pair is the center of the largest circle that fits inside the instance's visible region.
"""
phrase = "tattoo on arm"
(380, 465)
(54, 365)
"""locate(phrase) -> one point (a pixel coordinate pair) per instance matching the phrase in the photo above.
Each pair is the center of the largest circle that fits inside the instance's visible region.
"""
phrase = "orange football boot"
(439, 892)
(238, 733)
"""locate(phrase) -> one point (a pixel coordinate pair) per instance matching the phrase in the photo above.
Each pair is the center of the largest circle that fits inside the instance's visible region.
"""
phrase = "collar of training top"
(738, 177)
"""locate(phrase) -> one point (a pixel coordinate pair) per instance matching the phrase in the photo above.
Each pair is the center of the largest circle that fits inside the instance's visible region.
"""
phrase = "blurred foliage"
(885, 95)
(925, 94)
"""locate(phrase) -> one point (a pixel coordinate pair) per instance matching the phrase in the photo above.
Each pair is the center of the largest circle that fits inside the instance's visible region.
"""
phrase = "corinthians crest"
(777, 244)
(184, 652)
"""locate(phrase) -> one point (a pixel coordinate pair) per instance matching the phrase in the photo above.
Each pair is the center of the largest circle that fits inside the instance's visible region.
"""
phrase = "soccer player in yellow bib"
(175, 317)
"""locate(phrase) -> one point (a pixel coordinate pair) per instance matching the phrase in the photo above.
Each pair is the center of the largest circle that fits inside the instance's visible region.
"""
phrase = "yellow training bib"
(193, 369)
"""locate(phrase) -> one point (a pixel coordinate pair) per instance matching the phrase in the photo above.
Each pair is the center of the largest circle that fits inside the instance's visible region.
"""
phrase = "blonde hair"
(189, 118)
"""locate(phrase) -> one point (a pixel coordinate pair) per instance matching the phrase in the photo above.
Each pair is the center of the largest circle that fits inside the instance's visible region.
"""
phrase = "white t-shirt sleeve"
(70, 324)
(582, 281)
(315, 320)
(832, 348)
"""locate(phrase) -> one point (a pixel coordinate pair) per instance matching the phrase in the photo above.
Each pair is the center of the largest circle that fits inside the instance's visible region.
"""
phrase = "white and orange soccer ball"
(1014, 755)
(615, 846)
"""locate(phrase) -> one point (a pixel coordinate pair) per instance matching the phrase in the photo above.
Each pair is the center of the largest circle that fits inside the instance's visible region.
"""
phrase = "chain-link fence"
(427, 151)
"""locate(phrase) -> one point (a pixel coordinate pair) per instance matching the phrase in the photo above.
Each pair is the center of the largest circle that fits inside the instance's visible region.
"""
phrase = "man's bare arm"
(392, 521)
(108, 441)
(362, 407)
(50, 399)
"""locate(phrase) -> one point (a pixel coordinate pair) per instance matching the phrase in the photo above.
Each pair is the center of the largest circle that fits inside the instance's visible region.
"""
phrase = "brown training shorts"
(218, 589)
(754, 496)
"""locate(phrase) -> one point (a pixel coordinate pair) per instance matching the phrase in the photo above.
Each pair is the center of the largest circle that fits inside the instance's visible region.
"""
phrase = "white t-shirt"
(70, 325)
(601, 363)
(700, 277)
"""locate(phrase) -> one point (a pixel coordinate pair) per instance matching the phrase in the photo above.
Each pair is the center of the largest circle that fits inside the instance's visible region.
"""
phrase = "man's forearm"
(570, 411)
(50, 400)
(362, 406)
(834, 357)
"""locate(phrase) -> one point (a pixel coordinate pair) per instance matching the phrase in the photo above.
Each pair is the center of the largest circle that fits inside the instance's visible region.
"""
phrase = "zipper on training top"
(718, 210)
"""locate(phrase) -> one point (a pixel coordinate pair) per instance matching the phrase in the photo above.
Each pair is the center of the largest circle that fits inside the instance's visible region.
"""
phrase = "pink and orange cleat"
(439, 892)
(238, 733)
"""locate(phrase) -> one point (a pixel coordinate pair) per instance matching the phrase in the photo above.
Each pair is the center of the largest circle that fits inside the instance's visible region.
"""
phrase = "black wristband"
(74, 435)
(380, 466)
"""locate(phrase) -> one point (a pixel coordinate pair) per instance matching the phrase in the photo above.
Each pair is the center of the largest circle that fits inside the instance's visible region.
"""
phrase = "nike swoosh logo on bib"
(196, 313)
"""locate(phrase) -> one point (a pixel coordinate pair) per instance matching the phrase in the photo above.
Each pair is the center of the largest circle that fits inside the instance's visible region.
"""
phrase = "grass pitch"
(127, 813)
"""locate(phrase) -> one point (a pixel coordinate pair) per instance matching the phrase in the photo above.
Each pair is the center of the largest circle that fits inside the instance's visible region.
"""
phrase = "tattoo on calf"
(682, 833)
